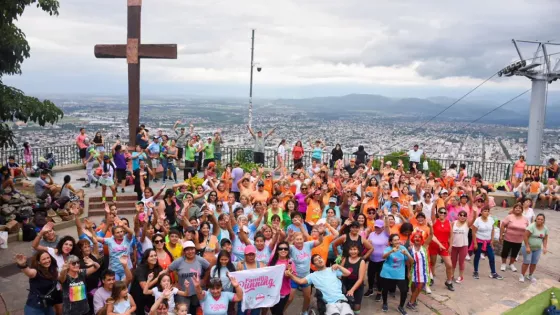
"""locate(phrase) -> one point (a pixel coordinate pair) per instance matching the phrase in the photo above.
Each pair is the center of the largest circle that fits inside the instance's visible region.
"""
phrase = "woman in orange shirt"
(404, 200)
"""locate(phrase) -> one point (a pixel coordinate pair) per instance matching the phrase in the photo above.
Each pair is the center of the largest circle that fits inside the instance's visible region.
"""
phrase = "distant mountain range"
(514, 113)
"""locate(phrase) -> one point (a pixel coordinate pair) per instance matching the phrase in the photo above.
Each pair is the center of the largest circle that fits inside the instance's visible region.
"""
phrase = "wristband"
(22, 267)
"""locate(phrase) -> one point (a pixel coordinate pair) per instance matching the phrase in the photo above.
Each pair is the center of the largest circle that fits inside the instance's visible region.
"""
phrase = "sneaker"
(122, 190)
(368, 293)
(512, 268)
(496, 276)
(468, 258)
(176, 182)
(163, 182)
(503, 267)
(459, 280)
(304, 313)
(86, 186)
(385, 308)
(401, 310)
(428, 290)
(521, 278)
(532, 278)
(482, 256)
(411, 306)
(449, 286)
(378, 297)
(155, 180)
(475, 275)
(96, 184)
(432, 282)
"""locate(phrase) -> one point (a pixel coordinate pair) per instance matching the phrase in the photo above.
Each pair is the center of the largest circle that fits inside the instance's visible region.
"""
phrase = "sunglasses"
(219, 206)
(158, 241)
(75, 263)
(463, 215)
(371, 211)
(302, 188)
(267, 176)
(442, 212)
(215, 281)
(283, 249)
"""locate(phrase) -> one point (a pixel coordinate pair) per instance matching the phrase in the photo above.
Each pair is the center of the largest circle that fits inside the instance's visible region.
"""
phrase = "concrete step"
(120, 211)
(120, 197)
(120, 204)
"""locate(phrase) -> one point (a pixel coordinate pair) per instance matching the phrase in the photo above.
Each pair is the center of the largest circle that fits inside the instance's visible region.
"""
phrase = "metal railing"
(490, 171)
(69, 155)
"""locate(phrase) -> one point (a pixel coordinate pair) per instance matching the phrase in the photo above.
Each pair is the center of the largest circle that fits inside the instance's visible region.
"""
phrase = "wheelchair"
(319, 306)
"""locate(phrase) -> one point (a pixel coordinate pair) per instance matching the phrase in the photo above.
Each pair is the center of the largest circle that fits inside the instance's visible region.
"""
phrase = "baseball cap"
(332, 199)
(444, 191)
(379, 223)
(260, 183)
(250, 249)
(140, 202)
(394, 194)
(388, 163)
(188, 244)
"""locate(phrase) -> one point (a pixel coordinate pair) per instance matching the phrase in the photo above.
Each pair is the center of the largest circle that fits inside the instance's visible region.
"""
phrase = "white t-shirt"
(415, 155)
(427, 209)
(171, 301)
(282, 151)
(484, 232)
(529, 215)
(59, 258)
(460, 234)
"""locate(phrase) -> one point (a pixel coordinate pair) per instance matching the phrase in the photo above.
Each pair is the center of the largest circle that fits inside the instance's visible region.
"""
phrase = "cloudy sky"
(306, 47)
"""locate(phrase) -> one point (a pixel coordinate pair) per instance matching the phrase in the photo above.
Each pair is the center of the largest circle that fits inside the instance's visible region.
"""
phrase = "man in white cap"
(187, 267)
(332, 205)
(394, 200)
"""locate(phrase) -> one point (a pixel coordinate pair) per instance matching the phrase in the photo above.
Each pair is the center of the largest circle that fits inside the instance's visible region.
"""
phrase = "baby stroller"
(321, 307)
(46, 163)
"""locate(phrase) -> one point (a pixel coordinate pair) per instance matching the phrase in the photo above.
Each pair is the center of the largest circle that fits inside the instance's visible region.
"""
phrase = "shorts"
(316, 160)
(341, 308)
(508, 247)
(358, 294)
(121, 174)
(180, 153)
(83, 153)
(434, 250)
(519, 175)
(218, 157)
(298, 286)
(532, 258)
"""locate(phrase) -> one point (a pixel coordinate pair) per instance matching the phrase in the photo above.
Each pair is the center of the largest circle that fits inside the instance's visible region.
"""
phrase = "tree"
(394, 157)
(14, 104)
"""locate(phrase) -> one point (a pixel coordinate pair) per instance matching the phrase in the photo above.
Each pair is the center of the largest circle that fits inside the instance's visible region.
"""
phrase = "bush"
(394, 157)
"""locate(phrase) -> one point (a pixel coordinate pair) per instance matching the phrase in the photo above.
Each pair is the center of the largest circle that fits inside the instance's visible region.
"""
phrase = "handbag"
(46, 300)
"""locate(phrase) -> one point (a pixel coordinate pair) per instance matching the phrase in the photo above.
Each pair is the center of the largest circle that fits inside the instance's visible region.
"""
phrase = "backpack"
(29, 232)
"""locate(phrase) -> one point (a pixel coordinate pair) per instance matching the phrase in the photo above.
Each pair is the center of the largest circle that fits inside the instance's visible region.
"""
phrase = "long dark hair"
(164, 247)
(274, 258)
(67, 180)
(230, 267)
(50, 273)
(63, 240)
(200, 235)
(144, 262)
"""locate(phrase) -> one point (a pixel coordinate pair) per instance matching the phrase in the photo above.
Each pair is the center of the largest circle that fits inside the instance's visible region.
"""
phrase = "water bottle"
(553, 299)
(20, 235)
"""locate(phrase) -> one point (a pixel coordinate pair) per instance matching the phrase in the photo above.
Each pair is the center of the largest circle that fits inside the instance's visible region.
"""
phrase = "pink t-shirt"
(286, 285)
(515, 228)
(81, 141)
(519, 167)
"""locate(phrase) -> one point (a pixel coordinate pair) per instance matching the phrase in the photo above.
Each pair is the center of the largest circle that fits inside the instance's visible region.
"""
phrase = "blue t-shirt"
(302, 258)
(317, 153)
(263, 255)
(136, 162)
(116, 251)
(387, 205)
(328, 283)
(394, 265)
(211, 306)
(238, 247)
(154, 148)
(292, 227)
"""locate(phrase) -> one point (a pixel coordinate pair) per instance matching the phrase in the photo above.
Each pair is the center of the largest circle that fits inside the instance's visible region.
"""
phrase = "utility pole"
(251, 80)
(540, 74)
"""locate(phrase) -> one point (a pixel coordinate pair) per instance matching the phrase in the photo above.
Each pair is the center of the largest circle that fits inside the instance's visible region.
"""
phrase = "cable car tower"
(540, 71)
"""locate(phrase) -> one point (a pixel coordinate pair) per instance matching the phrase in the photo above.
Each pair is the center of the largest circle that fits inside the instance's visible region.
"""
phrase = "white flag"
(261, 287)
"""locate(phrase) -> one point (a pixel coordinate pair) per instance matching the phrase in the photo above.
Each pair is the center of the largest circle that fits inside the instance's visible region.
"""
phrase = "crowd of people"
(350, 231)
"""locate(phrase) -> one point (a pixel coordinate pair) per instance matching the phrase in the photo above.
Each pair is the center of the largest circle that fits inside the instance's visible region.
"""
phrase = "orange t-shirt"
(222, 195)
(314, 212)
(268, 185)
(260, 196)
(535, 187)
(107, 235)
(322, 249)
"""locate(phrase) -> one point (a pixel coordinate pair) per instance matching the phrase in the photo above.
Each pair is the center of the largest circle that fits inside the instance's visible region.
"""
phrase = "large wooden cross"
(133, 51)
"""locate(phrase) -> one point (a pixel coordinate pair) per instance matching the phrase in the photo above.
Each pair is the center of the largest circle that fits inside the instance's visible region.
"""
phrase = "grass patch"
(536, 305)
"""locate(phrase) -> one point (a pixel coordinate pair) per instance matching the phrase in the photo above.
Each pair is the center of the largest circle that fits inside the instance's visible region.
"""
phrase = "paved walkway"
(483, 296)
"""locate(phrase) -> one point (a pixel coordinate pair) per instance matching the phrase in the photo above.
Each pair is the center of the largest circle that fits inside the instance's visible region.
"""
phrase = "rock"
(16, 196)
(8, 210)
(26, 211)
(14, 201)
(62, 213)
(68, 218)
(6, 198)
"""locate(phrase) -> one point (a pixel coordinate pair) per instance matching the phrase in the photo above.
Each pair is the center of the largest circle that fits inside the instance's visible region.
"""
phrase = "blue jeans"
(164, 165)
(247, 312)
(28, 310)
(489, 255)
(173, 169)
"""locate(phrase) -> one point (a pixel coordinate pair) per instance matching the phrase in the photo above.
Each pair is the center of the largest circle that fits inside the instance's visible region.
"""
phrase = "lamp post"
(259, 68)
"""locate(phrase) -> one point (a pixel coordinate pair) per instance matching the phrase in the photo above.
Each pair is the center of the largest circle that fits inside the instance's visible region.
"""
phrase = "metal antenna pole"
(251, 80)
(540, 74)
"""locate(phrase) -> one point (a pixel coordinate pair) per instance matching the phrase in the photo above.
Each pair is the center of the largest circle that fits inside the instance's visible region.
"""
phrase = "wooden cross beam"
(133, 51)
